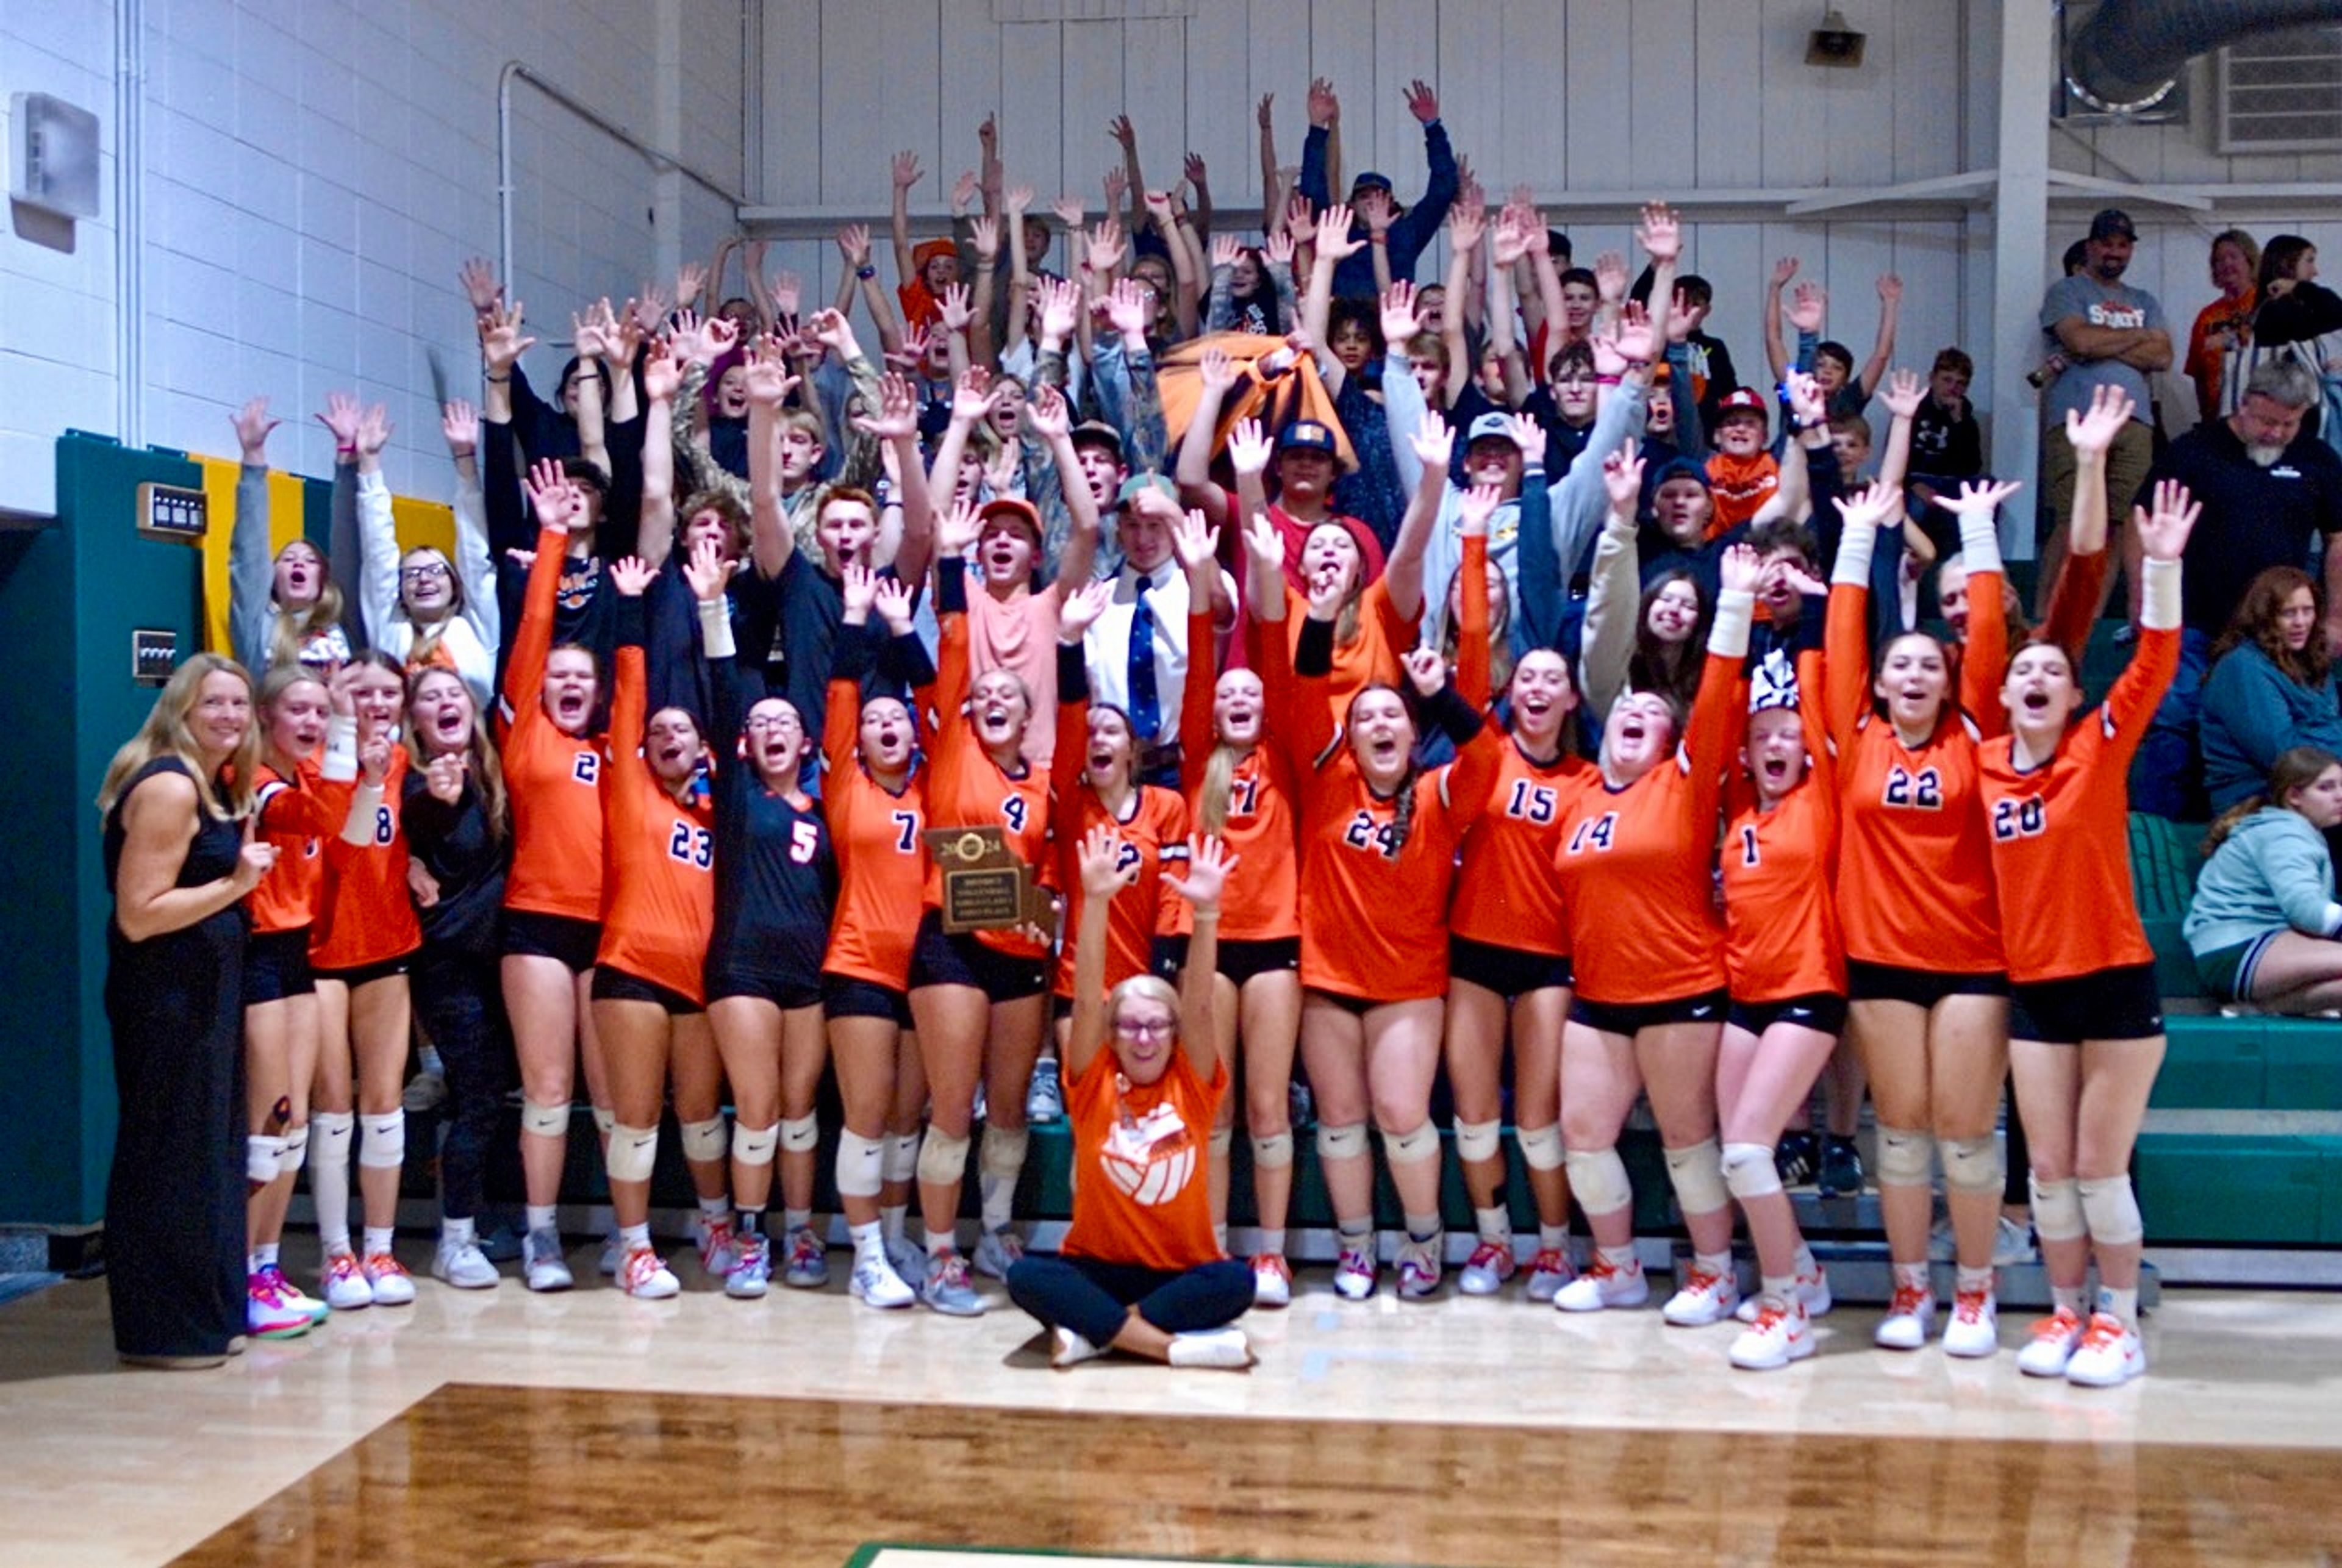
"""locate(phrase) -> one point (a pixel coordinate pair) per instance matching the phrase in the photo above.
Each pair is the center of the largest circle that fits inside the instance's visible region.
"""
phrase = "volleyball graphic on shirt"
(1150, 1158)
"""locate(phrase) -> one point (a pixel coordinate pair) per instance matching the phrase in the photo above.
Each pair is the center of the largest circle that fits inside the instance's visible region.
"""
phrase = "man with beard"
(2266, 489)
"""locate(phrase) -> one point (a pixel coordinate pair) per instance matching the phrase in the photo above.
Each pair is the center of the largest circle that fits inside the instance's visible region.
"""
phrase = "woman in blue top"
(2271, 685)
(2265, 926)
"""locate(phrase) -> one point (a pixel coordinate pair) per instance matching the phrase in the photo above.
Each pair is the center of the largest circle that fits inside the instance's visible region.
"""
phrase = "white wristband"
(1979, 542)
(716, 628)
(1735, 612)
(341, 760)
(2159, 607)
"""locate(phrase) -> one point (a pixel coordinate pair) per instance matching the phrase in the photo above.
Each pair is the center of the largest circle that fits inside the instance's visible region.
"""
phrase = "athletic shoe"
(293, 1295)
(1548, 1271)
(2110, 1353)
(752, 1269)
(541, 1264)
(717, 1245)
(2012, 1244)
(267, 1314)
(1418, 1268)
(1044, 1102)
(876, 1282)
(425, 1091)
(1813, 1295)
(1272, 1280)
(1909, 1318)
(910, 1263)
(808, 1263)
(1225, 1348)
(1605, 1284)
(947, 1289)
(995, 1251)
(345, 1283)
(2051, 1349)
(465, 1266)
(388, 1279)
(613, 1254)
(644, 1276)
(1841, 1169)
(1974, 1328)
(1486, 1269)
(1780, 1334)
(1070, 1349)
(1796, 1157)
(1354, 1275)
(1704, 1296)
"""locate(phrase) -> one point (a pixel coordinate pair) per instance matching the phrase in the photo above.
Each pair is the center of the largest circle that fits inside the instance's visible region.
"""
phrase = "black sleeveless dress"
(174, 1200)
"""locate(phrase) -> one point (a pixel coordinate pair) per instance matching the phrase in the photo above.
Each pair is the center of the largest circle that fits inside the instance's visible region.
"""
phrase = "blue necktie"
(1145, 707)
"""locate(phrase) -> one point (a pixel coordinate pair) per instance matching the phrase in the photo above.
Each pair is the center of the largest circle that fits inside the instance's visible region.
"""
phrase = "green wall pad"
(2304, 1065)
(2212, 1062)
(2248, 1191)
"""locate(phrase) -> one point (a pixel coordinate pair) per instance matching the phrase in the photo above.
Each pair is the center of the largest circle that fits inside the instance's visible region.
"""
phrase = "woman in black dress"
(179, 858)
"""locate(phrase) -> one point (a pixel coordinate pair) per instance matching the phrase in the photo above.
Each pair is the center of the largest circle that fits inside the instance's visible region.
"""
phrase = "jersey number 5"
(804, 843)
(1922, 791)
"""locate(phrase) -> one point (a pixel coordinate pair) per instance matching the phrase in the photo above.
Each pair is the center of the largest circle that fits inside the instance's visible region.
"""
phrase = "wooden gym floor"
(477, 1429)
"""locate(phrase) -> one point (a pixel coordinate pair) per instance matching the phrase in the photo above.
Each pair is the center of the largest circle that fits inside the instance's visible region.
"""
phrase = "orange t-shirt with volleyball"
(1142, 1163)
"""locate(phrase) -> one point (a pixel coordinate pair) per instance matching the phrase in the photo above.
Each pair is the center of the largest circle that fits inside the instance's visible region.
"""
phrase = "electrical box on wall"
(178, 512)
(54, 164)
(153, 654)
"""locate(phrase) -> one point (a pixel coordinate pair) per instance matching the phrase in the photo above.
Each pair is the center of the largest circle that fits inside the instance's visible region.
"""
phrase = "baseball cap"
(2110, 222)
(1140, 483)
(1307, 436)
(1098, 432)
(1679, 468)
(1011, 507)
(1371, 177)
(1743, 400)
(1492, 424)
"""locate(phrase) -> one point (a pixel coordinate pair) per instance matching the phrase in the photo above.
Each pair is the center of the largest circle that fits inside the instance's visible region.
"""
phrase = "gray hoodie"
(2271, 873)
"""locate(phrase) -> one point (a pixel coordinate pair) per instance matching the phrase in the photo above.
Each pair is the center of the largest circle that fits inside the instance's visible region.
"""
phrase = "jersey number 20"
(2018, 818)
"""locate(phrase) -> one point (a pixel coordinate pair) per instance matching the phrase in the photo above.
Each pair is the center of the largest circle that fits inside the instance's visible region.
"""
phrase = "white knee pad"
(1348, 1141)
(333, 1130)
(1540, 1147)
(605, 1120)
(1412, 1148)
(1598, 1178)
(1749, 1172)
(902, 1156)
(2057, 1210)
(264, 1158)
(381, 1140)
(1274, 1152)
(861, 1164)
(942, 1158)
(547, 1120)
(1903, 1157)
(1223, 1140)
(1002, 1154)
(296, 1150)
(800, 1134)
(1696, 1171)
(755, 1145)
(1971, 1164)
(1478, 1140)
(2111, 1208)
(705, 1141)
(633, 1152)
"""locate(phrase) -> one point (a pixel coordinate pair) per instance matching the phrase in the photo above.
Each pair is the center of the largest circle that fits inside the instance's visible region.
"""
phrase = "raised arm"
(1984, 660)
(907, 173)
(772, 540)
(1613, 591)
(1335, 245)
(1846, 635)
(2082, 574)
(1882, 352)
(1465, 225)
(1103, 876)
(1472, 650)
(1719, 715)
(476, 565)
(560, 511)
(1216, 373)
(1777, 350)
(1050, 421)
(896, 424)
(252, 558)
(655, 527)
(1402, 572)
(377, 531)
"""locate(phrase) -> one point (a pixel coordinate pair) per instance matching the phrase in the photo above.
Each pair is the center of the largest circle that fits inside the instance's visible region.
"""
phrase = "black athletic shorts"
(2119, 1003)
(844, 996)
(1512, 972)
(276, 965)
(529, 935)
(1632, 1018)
(618, 985)
(1822, 1010)
(787, 992)
(1240, 961)
(358, 974)
(939, 958)
(1919, 987)
(1166, 957)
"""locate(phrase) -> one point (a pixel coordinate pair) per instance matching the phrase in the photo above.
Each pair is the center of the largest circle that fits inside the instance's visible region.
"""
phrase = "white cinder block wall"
(315, 171)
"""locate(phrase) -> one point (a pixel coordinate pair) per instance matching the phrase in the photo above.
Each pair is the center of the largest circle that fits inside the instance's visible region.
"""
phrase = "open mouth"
(672, 754)
(450, 726)
(1775, 770)
(569, 709)
(1633, 732)
(1102, 761)
(2036, 702)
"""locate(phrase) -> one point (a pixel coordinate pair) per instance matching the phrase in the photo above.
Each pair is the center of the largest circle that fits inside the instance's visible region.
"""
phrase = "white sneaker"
(465, 1266)
(751, 1274)
(717, 1245)
(877, 1283)
(947, 1289)
(541, 1262)
(806, 1266)
(1354, 1275)
(1418, 1267)
(1044, 1100)
(1780, 1334)
(996, 1251)
(645, 1276)
(345, 1284)
(1070, 1349)
(2051, 1349)
(1605, 1284)
(2111, 1354)
(1813, 1295)
(387, 1278)
(1908, 1319)
(1548, 1271)
(1272, 1280)
(425, 1091)
(1705, 1297)
(1486, 1269)
(1974, 1328)
(1224, 1348)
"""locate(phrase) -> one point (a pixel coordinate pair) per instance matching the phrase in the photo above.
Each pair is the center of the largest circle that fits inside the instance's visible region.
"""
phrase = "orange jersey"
(1154, 838)
(1637, 865)
(661, 888)
(1370, 658)
(2061, 832)
(1915, 863)
(296, 816)
(881, 865)
(364, 912)
(1259, 903)
(553, 779)
(1507, 895)
(1781, 936)
(1740, 487)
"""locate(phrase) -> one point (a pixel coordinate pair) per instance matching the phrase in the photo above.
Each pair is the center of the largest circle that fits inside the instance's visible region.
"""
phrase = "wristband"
(865, 273)
(500, 380)
(1606, 380)
(1378, 239)
(340, 450)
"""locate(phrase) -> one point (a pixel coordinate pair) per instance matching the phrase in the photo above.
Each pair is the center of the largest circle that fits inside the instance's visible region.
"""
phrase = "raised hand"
(1193, 541)
(897, 418)
(1265, 114)
(1198, 176)
(1103, 873)
(954, 308)
(1069, 209)
(984, 235)
(342, 416)
(1808, 305)
(906, 170)
(443, 777)
(631, 575)
(1874, 505)
(586, 335)
(1249, 449)
(972, 396)
(1622, 478)
(706, 572)
(1512, 239)
(663, 375)
(1632, 337)
(1659, 235)
(1334, 234)
(853, 244)
(459, 426)
(1740, 570)
(1610, 276)
(1208, 864)
(1120, 130)
(374, 759)
(1046, 415)
(1400, 320)
(252, 427)
(2092, 431)
(1226, 248)
(1422, 101)
(1890, 288)
(1279, 248)
(895, 602)
(478, 277)
(688, 341)
(1017, 200)
(766, 370)
(789, 293)
(1264, 547)
(1528, 435)
(1324, 108)
(1375, 208)
(1061, 305)
(1117, 188)
(1433, 446)
(963, 192)
(1684, 318)
(957, 529)
(1465, 225)
(1081, 609)
(904, 358)
(650, 309)
(1426, 670)
(1783, 271)
(1105, 248)
(1472, 513)
(1805, 398)
(374, 430)
(833, 331)
(1904, 392)
(1986, 498)
(859, 589)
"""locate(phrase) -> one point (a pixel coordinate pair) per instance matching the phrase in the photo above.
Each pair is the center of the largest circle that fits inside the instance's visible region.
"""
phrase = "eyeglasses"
(765, 722)
(1145, 1028)
(429, 572)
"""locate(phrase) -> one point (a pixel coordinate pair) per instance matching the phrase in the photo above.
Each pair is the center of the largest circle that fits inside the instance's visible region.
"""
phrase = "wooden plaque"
(985, 886)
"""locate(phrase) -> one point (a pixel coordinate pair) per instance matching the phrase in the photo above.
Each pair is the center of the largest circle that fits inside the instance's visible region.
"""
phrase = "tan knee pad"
(545, 1121)
(1904, 1157)
(1598, 1178)
(1348, 1141)
(1223, 1140)
(942, 1158)
(1412, 1148)
(2057, 1210)
(1971, 1164)
(1696, 1171)
(1749, 1171)
(1002, 1155)
(2110, 1208)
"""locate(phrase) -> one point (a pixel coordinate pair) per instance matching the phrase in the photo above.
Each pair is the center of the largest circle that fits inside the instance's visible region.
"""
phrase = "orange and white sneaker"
(1813, 1295)
(2054, 1341)
(1272, 1280)
(344, 1282)
(2110, 1353)
(1489, 1266)
(1605, 1284)
(1705, 1297)
(1909, 1317)
(644, 1276)
(1548, 1271)
(1974, 1328)
(1780, 1334)
(388, 1279)
(716, 1249)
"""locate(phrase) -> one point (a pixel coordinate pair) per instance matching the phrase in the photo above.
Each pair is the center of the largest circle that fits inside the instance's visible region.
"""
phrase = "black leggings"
(458, 996)
(1091, 1298)
(2017, 1178)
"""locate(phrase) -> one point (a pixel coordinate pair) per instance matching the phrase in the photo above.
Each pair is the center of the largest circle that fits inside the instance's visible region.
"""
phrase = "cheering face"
(2319, 800)
(886, 735)
(1777, 588)
(1237, 708)
(1146, 538)
(300, 575)
(2040, 690)
(1577, 303)
(1008, 409)
(1331, 551)
(773, 739)
(1682, 507)
(1104, 471)
(1543, 695)
(999, 709)
(571, 684)
(935, 359)
(1004, 551)
(672, 745)
(442, 712)
(1674, 614)
(1146, 1032)
(1638, 735)
(1381, 734)
(426, 584)
(940, 273)
(380, 699)
(1110, 749)
(1775, 754)
(709, 523)
(1741, 432)
(1912, 680)
(296, 719)
(845, 532)
(1245, 275)
(222, 713)
(1831, 373)
(1494, 460)
(1431, 307)
(1659, 415)
(732, 393)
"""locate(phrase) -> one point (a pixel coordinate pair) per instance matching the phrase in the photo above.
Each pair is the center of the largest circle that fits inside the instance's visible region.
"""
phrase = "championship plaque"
(985, 886)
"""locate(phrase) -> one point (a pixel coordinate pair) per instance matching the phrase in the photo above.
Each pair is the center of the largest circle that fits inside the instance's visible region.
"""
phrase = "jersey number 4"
(1364, 833)
(1595, 833)
(1012, 811)
(1921, 791)
(692, 845)
(2018, 818)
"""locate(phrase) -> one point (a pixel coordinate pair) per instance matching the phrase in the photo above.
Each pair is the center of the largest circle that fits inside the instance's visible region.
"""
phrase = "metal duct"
(2128, 54)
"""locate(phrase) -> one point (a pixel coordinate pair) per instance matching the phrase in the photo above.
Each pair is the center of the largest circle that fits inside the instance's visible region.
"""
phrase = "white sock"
(1714, 1263)
(1553, 1238)
(264, 1255)
(1975, 1279)
(890, 1221)
(1357, 1235)
(1782, 1288)
(633, 1238)
(716, 1210)
(1914, 1276)
(1806, 1264)
(1495, 1224)
(942, 1242)
(1273, 1242)
(330, 1136)
(541, 1216)
(2067, 1296)
(1421, 1227)
(454, 1233)
(869, 1241)
(1618, 1257)
(2123, 1304)
(997, 1200)
(379, 1238)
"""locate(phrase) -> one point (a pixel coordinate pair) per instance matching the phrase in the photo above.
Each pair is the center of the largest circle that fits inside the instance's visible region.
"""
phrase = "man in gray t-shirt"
(2110, 335)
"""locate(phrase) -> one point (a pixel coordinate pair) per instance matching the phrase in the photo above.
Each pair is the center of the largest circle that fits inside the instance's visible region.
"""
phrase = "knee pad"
(381, 1140)
(1903, 1157)
(296, 1150)
(902, 1156)
(1274, 1152)
(705, 1141)
(800, 1134)
(1479, 1140)
(942, 1158)
(2057, 1210)
(264, 1158)
(1749, 1172)
(633, 1152)
(1598, 1178)
(1344, 1143)
(1540, 1147)
(333, 1129)
(2110, 1208)
(1002, 1154)
(1223, 1140)
(1696, 1171)
(860, 1164)
(1412, 1148)
(605, 1120)
(754, 1145)
(1971, 1164)
(546, 1121)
